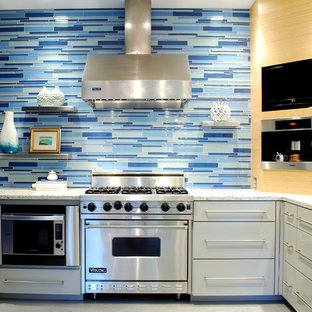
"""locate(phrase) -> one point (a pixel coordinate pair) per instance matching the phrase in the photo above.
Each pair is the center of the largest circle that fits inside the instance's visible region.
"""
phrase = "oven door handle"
(32, 218)
(88, 226)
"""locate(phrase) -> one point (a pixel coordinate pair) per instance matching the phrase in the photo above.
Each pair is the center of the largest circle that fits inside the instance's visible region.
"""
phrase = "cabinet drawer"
(234, 211)
(290, 214)
(233, 239)
(40, 281)
(289, 243)
(233, 277)
(304, 253)
(288, 282)
(304, 220)
(303, 293)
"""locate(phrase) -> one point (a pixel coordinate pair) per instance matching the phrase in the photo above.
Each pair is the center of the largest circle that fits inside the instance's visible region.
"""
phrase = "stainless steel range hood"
(137, 79)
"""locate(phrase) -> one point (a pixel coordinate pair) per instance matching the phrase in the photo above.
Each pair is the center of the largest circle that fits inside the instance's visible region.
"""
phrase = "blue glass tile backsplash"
(49, 47)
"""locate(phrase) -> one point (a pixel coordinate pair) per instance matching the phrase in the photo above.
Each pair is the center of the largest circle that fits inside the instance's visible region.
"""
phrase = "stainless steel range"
(136, 232)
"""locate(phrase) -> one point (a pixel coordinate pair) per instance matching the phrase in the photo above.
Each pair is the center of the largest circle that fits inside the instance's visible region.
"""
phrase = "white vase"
(57, 97)
(43, 97)
(8, 136)
(220, 111)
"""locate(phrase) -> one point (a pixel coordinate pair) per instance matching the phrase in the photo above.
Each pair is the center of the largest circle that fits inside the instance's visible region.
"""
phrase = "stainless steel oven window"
(136, 247)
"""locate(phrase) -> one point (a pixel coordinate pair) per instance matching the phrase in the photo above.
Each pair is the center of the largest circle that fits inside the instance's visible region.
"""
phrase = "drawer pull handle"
(262, 241)
(34, 282)
(288, 214)
(251, 278)
(287, 284)
(288, 245)
(235, 211)
(303, 255)
(303, 300)
(302, 220)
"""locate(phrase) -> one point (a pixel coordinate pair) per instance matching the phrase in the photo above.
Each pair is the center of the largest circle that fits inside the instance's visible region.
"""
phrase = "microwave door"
(28, 234)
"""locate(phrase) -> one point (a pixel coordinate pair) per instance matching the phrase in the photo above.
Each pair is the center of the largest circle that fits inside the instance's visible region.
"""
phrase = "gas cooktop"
(136, 190)
(137, 194)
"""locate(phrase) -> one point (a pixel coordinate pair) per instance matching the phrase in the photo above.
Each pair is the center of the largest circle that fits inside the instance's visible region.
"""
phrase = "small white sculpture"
(54, 97)
(57, 97)
(220, 111)
(52, 176)
(43, 97)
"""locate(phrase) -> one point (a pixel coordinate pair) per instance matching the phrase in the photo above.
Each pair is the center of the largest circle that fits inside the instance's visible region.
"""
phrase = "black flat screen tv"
(287, 86)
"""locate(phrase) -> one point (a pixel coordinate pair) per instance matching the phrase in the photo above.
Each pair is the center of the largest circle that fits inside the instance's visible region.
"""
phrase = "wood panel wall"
(281, 31)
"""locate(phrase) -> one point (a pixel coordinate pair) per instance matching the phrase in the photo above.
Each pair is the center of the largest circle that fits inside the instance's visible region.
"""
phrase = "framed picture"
(45, 140)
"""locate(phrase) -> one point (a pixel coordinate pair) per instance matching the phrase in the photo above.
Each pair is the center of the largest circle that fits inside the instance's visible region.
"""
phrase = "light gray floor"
(136, 304)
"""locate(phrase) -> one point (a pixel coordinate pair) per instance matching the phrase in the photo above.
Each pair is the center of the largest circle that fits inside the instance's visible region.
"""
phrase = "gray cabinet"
(40, 281)
(297, 257)
(233, 248)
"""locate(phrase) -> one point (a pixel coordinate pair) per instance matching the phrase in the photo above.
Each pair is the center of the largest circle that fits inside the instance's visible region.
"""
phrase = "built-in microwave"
(34, 235)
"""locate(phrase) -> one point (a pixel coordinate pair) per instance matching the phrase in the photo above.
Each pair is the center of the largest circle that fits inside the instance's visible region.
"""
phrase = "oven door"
(136, 250)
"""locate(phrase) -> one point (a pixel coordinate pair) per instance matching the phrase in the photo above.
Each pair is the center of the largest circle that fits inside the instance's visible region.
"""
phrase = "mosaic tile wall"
(49, 47)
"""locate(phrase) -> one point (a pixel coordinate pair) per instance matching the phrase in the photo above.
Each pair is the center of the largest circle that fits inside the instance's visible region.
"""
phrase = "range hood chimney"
(137, 79)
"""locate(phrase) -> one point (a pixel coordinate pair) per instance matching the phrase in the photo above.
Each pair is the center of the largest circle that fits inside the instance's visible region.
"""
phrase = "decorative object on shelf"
(52, 176)
(220, 111)
(57, 97)
(53, 97)
(45, 140)
(43, 97)
(8, 135)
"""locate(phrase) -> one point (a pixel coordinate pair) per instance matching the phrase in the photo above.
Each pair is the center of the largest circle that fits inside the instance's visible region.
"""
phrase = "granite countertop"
(199, 194)
(210, 194)
(23, 193)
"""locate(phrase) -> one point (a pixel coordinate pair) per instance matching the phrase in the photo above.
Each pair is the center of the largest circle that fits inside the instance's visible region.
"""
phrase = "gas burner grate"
(136, 190)
(103, 190)
(170, 190)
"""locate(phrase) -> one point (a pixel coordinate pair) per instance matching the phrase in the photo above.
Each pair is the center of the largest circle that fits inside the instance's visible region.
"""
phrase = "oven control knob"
(107, 206)
(165, 207)
(181, 207)
(117, 205)
(58, 245)
(128, 207)
(144, 207)
(91, 206)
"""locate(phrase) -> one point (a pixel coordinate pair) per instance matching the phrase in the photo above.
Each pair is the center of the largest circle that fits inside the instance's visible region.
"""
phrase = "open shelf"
(221, 124)
(35, 156)
(49, 109)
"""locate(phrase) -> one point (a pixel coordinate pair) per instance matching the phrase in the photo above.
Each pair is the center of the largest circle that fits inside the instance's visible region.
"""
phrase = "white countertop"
(199, 194)
(23, 193)
(231, 194)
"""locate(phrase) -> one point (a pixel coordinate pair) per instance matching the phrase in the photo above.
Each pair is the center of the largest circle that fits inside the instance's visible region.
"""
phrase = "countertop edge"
(198, 195)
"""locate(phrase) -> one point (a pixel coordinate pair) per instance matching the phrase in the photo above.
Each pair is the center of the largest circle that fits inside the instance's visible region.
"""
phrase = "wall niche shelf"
(35, 156)
(221, 124)
(49, 109)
